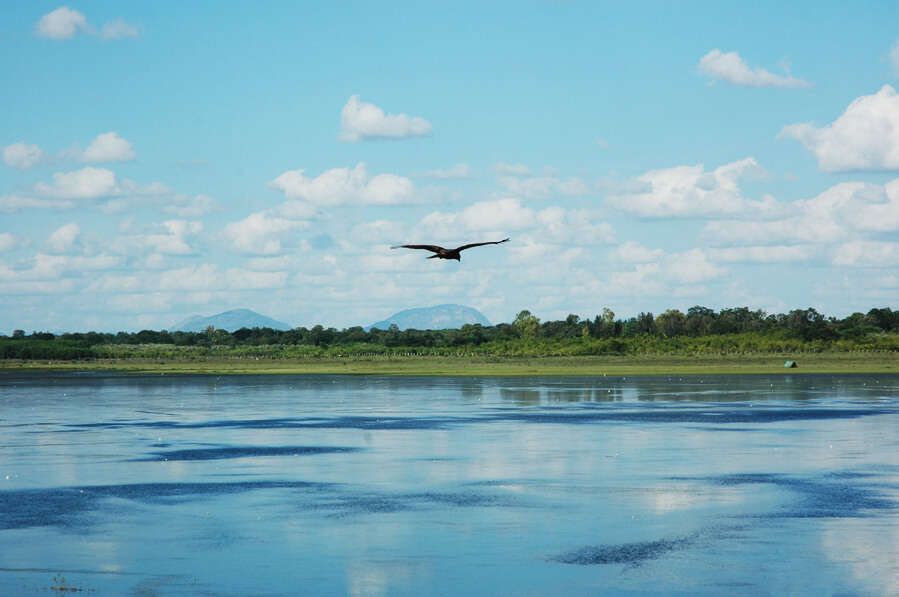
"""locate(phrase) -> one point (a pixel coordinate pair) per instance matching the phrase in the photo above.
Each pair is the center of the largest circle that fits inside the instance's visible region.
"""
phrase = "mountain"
(230, 321)
(441, 317)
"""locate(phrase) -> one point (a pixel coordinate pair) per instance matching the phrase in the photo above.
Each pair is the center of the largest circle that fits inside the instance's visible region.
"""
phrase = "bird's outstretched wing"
(432, 248)
(496, 242)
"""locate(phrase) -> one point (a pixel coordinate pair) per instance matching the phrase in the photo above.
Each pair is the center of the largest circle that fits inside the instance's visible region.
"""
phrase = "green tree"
(526, 324)
(671, 323)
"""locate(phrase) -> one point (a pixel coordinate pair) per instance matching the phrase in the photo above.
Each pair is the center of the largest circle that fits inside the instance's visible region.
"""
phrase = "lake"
(115, 484)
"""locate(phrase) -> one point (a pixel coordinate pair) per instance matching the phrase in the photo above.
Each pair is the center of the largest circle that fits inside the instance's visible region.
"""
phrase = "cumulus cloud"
(87, 183)
(63, 238)
(505, 216)
(543, 187)
(343, 186)
(864, 137)
(62, 23)
(108, 147)
(690, 267)
(118, 29)
(731, 68)
(13, 203)
(190, 207)
(839, 214)
(361, 120)
(50, 267)
(174, 238)
(634, 252)
(690, 191)
(764, 254)
(862, 253)
(22, 155)
(7, 241)
(208, 276)
(505, 169)
(458, 171)
(65, 23)
(261, 233)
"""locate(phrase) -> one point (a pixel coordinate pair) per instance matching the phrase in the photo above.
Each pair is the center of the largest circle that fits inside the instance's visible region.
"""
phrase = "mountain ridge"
(230, 321)
(438, 317)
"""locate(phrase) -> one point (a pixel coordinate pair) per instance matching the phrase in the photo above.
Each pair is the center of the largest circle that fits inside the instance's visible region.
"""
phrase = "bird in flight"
(441, 253)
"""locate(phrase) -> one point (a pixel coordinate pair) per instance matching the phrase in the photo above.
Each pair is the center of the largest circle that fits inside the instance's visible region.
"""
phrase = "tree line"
(700, 329)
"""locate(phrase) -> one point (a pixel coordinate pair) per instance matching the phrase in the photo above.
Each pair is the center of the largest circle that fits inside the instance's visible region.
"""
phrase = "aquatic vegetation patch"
(833, 495)
(245, 452)
(623, 553)
(64, 506)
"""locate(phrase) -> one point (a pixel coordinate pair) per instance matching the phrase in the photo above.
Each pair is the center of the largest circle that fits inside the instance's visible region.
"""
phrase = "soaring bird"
(441, 253)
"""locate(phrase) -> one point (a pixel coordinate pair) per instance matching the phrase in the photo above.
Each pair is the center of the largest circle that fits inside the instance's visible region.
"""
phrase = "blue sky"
(168, 159)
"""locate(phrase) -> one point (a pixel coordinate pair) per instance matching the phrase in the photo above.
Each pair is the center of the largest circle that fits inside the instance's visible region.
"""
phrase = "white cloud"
(65, 23)
(108, 147)
(62, 23)
(206, 277)
(22, 155)
(87, 183)
(174, 239)
(190, 207)
(866, 254)
(841, 213)
(49, 267)
(505, 216)
(730, 67)
(458, 171)
(764, 254)
(383, 231)
(118, 29)
(577, 226)
(502, 168)
(491, 216)
(634, 252)
(864, 137)
(342, 186)
(643, 280)
(690, 267)
(360, 120)
(7, 241)
(690, 191)
(543, 187)
(11, 203)
(261, 233)
(63, 238)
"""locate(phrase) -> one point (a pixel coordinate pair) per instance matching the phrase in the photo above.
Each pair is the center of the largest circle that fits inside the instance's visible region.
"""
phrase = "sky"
(163, 160)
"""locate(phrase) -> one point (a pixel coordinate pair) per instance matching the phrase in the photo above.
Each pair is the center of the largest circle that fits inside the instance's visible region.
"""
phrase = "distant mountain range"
(230, 321)
(441, 317)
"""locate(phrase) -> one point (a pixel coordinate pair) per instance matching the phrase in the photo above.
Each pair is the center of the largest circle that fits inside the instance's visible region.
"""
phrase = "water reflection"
(392, 486)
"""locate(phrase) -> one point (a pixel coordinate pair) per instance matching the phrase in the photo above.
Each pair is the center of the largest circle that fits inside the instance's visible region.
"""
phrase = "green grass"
(756, 363)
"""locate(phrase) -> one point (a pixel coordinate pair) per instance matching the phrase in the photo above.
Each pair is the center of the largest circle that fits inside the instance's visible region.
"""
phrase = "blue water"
(365, 485)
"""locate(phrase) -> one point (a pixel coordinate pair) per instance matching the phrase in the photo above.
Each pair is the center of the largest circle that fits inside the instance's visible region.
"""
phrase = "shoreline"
(486, 366)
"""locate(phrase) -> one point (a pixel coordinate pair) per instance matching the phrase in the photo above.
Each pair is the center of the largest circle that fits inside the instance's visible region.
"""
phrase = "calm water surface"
(340, 485)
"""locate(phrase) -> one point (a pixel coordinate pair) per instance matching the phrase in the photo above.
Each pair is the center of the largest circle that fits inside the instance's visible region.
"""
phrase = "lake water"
(366, 485)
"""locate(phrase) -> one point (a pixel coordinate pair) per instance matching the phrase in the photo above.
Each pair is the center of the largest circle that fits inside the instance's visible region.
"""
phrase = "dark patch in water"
(245, 452)
(371, 503)
(826, 497)
(623, 553)
(601, 414)
(61, 506)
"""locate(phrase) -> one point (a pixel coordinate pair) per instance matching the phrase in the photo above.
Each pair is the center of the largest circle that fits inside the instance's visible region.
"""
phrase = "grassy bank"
(647, 364)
